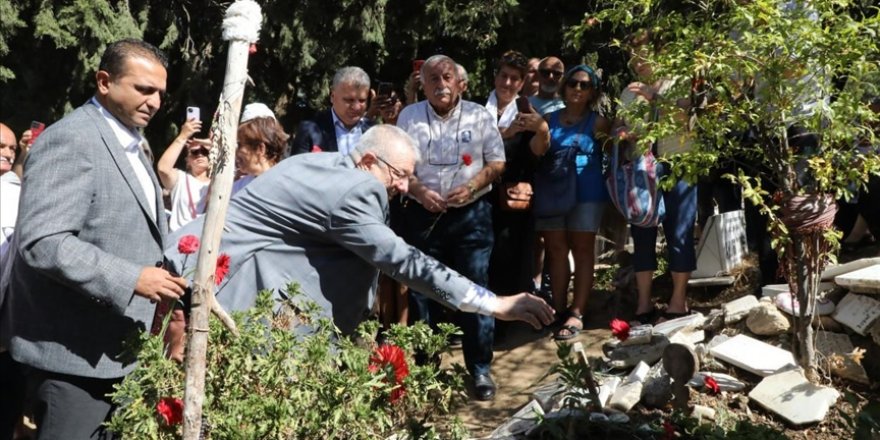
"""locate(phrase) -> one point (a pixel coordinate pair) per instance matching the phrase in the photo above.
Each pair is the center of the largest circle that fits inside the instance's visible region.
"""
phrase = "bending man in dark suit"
(320, 220)
(90, 236)
(340, 127)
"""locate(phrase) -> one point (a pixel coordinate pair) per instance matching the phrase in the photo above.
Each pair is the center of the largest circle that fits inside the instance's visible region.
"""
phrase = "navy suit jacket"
(318, 132)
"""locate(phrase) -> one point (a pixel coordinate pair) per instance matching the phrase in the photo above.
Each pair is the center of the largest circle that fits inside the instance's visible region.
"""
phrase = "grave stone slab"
(840, 346)
(640, 334)
(790, 395)
(857, 312)
(833, 271)
(667, 327)
(725, 382)
(772, 290)
(625, 357)
(607, 389)
(753, 355)
(739, 308)
(524, 419)
(865, 280)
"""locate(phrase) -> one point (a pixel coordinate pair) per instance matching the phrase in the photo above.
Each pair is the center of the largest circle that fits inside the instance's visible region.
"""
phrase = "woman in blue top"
(579, 126)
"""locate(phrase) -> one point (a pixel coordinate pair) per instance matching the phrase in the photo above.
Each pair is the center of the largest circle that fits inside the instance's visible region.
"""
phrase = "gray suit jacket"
(84, 235)
(317, 220)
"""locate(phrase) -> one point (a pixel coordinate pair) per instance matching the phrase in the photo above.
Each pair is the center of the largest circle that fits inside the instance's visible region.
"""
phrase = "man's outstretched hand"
(524, 307)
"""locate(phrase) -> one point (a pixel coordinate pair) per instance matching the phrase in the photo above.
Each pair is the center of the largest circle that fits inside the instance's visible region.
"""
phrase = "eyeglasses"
(550, 73)
(580, 85)
(195, 152)
(394, 171)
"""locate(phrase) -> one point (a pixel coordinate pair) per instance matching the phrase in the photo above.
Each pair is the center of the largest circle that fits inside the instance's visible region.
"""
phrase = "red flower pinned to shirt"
(390, 359)
(171, 410)
(467, 159)
(712, 385)
(222, 268)
(316, 148)
(188, 244)
(620, 329)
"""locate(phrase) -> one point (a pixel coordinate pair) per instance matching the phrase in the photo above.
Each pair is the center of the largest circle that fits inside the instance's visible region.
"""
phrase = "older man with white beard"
(462, 154)
(550, 72)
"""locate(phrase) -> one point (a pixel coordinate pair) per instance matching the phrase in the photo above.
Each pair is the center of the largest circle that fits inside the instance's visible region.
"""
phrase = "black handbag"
(555, 183)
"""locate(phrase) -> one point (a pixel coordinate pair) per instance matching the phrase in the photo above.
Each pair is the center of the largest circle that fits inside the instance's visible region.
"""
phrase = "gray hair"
(379, 139)
(462, 73)
(437, 59)
(352, 75)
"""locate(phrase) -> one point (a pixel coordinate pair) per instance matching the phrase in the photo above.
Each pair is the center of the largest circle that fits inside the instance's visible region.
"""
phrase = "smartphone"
(193, 113)
(37, 127)
(522, 105)
(385, 89)
(417, 65)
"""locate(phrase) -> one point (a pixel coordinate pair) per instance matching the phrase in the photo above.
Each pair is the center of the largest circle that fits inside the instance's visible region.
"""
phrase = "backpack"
(632, 186)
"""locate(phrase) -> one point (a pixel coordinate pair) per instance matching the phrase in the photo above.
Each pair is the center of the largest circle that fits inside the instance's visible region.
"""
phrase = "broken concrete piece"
(687, 335)
(739, 308)
(788, 303)
(753, 355)
(701, 412)
(548, 395)
(833, 271)
(857, 312)
(524, 419)
(875, 332)
(640, 334)
(794, 398)
(771, 290)
(667, 327)
(725, 382)
(836, 349)
(866, 280)
(624, 357)
(629, 392)
(607, 389)
(767, 320)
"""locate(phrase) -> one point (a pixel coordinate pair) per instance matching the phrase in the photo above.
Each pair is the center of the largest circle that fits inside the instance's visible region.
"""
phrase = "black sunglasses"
(550, 72)
(581, 85)
(198, 152)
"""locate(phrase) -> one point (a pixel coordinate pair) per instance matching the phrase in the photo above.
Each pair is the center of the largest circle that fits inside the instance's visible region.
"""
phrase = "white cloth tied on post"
(242, 22)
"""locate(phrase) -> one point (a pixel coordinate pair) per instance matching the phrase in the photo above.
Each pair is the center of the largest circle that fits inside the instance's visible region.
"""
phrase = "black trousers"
(69, 407)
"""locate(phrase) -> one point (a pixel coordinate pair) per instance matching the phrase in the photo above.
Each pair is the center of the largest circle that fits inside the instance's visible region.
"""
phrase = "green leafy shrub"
(274, 383)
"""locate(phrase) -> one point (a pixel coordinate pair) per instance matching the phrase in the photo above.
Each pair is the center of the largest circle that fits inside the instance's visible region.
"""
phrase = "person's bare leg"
(538, 264)
(583, 250)
(386, 299)
(678, 302)
(402, 303)
(557, 259)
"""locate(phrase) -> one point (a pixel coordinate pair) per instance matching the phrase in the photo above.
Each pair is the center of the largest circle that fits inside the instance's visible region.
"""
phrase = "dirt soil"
(524, 356)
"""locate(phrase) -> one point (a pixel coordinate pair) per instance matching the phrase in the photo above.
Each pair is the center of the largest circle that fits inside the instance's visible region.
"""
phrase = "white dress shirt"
(131, 141)
(346, 140)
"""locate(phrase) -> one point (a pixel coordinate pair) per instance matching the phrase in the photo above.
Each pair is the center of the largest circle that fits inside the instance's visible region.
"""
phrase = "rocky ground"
(523, 358)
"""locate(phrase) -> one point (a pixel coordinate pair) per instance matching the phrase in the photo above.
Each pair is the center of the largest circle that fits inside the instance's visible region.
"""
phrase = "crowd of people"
(432, 191)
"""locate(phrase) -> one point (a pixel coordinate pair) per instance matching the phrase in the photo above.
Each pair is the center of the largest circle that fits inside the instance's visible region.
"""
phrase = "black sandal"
(573, 330)
(669, 316)
(647, 317)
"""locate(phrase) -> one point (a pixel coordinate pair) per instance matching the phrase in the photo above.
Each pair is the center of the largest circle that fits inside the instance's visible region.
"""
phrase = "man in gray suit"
(321, 220)
(85, 274)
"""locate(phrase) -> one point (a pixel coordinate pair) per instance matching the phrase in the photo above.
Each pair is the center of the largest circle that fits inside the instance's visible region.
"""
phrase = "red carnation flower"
(620, 329)
(712, 385)
(222, 268)
(252, 49)
(668, 430)
(188, 244)
(171, 410)
(390, 360)
(467, 159)
(316, 148)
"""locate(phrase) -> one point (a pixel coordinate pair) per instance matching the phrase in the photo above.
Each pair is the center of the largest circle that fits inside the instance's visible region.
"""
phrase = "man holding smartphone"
(87, 269)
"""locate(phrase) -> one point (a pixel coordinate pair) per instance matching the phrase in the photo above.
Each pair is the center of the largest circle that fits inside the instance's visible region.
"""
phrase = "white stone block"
(640, 334)
(865, 280)
(739, 308)
(795, 399)
(753, 355)
(857, 312)
(607, 389)
(839, 346)
(831, 272)
(772, 290)
(667, 327)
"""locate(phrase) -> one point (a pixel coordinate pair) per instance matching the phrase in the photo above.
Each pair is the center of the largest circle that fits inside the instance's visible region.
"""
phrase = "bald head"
(7, 148)
(550, 72)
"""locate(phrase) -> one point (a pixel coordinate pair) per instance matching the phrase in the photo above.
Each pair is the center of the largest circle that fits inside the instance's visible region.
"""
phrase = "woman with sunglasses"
(580, 126)
(188, 188)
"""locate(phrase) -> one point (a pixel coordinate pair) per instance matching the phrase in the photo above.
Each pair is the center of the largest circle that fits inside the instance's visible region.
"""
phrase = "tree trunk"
(804, 344)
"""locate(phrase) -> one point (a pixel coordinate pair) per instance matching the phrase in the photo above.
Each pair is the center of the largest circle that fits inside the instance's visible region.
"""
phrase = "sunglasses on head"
(550, 72)
(580, 85)
(198, 152)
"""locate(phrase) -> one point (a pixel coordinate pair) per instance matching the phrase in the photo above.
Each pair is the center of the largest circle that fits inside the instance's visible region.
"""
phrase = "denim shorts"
(584, 217)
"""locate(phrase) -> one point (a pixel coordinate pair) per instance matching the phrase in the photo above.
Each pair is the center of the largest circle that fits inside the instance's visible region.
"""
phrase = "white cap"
(255, 110)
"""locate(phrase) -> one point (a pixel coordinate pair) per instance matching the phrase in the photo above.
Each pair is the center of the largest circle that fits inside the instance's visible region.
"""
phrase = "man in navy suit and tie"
(340, 127)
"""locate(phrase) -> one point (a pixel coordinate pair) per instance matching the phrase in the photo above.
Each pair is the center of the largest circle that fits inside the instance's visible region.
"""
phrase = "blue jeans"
(678, 225)
(462, 239)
